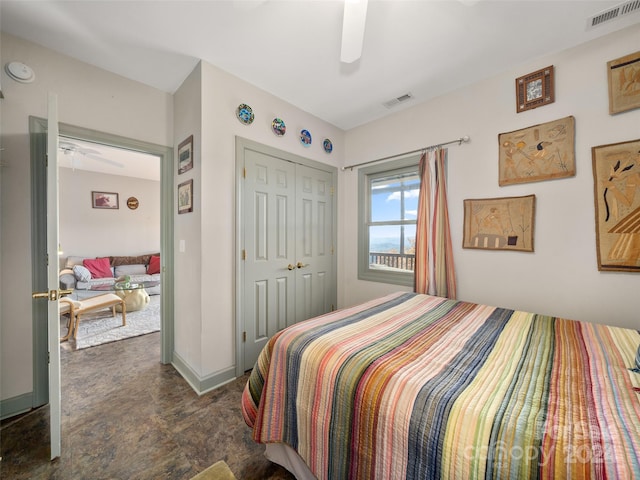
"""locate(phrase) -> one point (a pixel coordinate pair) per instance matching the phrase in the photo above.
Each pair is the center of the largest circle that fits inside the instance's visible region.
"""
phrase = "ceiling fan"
(353, 23)
(72, 149)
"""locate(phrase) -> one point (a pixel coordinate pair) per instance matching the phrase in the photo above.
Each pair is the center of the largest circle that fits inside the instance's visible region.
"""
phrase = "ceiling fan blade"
(353, 25)
(105, 160)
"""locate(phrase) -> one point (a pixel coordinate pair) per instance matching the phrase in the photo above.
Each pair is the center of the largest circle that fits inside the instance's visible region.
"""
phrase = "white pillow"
(81, 273)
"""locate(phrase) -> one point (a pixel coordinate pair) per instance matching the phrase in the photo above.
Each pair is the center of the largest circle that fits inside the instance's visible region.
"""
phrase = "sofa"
(82, 274)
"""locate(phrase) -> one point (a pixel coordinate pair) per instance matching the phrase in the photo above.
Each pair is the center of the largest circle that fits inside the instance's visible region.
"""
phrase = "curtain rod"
(459, 141)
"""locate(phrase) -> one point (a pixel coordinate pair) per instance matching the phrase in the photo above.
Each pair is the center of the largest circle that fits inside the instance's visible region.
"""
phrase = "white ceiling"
(292, 48)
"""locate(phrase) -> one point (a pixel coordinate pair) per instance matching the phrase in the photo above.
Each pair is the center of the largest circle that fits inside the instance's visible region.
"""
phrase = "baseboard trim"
(13, 406)
(202, 385)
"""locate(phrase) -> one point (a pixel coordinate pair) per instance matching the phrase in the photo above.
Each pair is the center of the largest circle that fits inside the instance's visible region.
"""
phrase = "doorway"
(38, 138)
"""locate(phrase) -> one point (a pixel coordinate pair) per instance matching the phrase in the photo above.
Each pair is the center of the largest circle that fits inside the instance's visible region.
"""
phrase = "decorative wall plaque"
(535, 89)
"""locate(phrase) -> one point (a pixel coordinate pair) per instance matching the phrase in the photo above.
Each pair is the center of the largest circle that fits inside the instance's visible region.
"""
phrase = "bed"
(418, 387)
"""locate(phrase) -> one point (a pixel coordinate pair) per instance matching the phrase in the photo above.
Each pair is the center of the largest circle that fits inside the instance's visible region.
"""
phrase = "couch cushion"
(81, 273)
(99, 267)
(121, 270)
(130, 260)
(154, 265)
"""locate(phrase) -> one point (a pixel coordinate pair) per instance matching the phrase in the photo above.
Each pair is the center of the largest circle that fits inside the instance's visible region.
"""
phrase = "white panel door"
(315, 284)
(269, 251)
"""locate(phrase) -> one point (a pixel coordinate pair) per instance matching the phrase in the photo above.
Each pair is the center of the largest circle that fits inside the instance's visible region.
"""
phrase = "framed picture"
(535, 89)
(185, 197)
(499, 223)
(185, 155)
(105, 200)
(624, 83)
(541, 152)
(616, 184)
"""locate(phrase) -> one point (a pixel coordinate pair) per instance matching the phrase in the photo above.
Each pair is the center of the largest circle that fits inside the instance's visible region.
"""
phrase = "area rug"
(97, 328)
(218, 471)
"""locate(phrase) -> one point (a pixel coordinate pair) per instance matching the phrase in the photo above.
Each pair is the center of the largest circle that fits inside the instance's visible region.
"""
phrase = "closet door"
(315, 285)
(269, 264)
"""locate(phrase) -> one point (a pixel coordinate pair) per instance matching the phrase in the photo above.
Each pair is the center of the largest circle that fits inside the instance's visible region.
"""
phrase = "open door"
(52, 294)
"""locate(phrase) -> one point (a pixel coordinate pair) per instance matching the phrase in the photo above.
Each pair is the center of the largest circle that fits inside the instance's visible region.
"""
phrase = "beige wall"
(561, 276)
(92, 232)
(87, 97)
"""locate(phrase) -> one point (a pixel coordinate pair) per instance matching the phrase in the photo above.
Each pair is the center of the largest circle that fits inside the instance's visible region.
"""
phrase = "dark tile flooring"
(126, 416)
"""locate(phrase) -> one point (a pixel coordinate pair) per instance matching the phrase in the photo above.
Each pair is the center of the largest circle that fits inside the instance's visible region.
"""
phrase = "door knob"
(290, 267)
(300, 265)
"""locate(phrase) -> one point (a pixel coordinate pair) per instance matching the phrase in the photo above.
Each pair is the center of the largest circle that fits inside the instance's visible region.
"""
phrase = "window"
(388, 199)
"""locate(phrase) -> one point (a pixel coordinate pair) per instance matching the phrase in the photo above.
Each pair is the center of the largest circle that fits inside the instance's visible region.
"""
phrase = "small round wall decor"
(327, 145)
(305, 138)
(245, 114)
(132, 203)
(278, 127)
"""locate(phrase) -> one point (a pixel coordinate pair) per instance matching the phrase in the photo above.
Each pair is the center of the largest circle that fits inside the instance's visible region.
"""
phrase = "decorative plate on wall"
(278, 127)
(305, 138)
(327, 145)
(245, 114)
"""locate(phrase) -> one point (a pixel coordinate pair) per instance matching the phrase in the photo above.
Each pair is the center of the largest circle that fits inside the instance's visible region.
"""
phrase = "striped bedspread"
(420, 387)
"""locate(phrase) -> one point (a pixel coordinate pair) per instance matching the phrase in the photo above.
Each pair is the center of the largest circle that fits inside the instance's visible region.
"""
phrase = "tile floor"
(126, 416)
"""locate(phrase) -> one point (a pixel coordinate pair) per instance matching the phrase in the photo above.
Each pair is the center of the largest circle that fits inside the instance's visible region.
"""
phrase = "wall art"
(107, 200)
(305, 138)
(541, 152)
(278, 126)
(185, 197)
(535, 89)
(245, 114)
(624, 83)
(132, 203)
(616, 183)
(499, 223)
(185, 155)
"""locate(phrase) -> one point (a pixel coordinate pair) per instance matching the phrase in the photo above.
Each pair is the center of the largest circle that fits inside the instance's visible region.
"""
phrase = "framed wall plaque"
(624, 83)
(616, 184)
(185, 155)
(535, 89)
(185, 197)
(499, 223)
(107, 200)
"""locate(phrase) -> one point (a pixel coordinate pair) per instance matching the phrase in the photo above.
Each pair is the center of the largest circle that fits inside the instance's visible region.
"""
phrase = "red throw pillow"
(154, 265)
(99, 267)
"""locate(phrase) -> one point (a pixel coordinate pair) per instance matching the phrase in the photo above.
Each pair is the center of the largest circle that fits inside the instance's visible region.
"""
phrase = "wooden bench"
(76, 308)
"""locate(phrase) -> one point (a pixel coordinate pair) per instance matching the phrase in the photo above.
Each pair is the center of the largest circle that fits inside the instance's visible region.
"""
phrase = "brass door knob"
(300, 265)
(290, 267)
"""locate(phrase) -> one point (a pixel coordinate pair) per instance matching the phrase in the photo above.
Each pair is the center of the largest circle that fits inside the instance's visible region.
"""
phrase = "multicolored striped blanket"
(420, 387)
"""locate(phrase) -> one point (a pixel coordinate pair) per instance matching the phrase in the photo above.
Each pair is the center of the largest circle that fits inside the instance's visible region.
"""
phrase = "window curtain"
(434, 270)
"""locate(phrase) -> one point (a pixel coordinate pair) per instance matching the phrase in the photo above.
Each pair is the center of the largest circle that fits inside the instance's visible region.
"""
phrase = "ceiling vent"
(401, 99)
(612, 13)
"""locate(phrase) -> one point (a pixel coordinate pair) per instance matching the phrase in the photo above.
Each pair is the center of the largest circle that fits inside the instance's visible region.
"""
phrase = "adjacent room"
(375, 239)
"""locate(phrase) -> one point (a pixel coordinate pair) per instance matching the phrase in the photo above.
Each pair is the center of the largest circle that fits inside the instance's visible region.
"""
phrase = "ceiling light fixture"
(20, 72)
(353, 23)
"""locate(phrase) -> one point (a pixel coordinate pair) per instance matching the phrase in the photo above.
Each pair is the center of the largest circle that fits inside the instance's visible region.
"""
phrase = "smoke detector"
(20, 72)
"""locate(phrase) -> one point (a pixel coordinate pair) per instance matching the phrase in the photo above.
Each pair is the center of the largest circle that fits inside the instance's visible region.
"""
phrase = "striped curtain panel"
(434, 270)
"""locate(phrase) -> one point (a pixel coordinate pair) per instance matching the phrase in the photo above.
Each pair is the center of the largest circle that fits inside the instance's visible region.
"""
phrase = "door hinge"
(244, 172)
(244, 254)
(244, 336)
(332, 190)
(48, 357)
(333, 307)
(331, 249)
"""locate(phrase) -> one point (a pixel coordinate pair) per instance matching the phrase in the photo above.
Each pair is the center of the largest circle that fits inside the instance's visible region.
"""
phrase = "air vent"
(610, 14)
(401, 99)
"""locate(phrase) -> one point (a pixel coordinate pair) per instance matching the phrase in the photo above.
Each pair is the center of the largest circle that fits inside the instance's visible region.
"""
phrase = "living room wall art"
(499, 223)
(185, 197)
(537, 153)
(624, 83)
(106, 200)
(535, 89)
(185, 155)
(616, 183)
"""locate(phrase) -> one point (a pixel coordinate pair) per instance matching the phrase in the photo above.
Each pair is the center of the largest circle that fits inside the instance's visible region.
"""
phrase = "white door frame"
(38, 141)
(243, 144)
